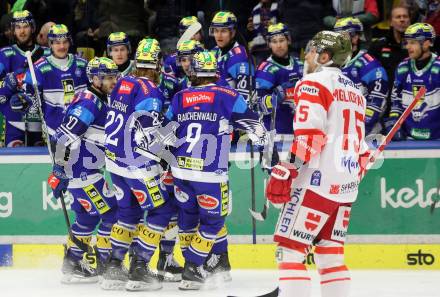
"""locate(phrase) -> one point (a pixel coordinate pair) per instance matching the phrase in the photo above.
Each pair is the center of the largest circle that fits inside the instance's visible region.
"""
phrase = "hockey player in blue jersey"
(367, 73)
(170, 63)
(134, 112)
(275, 80)
(80, 138)
(204, 113)
(59, 76)
(234, 65)
(20, 129)
(119, 50)
(171, 84)
(420, 69)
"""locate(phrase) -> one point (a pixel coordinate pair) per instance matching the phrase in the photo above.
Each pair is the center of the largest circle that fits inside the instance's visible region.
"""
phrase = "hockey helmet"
(117, 38)
(337, 44)
(101, 67)
(277, 29)
(203, 64)
(186, 22)
(23, 16)
(58, 32)
(147, 54)
(223, 19)
(420, 32)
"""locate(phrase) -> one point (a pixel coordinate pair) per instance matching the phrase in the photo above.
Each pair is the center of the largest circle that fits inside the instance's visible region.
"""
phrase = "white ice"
(382, 283)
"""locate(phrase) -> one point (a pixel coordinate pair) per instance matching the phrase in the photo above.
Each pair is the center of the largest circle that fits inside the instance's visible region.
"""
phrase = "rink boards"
(262, 256)
(395, 222)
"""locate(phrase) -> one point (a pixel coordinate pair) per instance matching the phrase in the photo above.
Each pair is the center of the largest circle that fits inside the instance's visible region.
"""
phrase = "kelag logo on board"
(408, 197)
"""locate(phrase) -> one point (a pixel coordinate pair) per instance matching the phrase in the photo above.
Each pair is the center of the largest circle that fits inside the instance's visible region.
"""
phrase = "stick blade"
(189, 33)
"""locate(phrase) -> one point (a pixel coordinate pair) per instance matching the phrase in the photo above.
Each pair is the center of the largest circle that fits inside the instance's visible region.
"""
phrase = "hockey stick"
(250, 104)
(274, 293)
(84, 247)
(189, 33)
(261, 216)
(395, 128)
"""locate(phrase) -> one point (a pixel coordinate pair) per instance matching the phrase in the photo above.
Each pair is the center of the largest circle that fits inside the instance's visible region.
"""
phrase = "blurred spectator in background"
(264, 14)
(433, 18)
(127, 16)
(165, 28)
(87, 18)
(304, 19)
(42, 35)
(365, 10)
(5, 30)
(390, 50)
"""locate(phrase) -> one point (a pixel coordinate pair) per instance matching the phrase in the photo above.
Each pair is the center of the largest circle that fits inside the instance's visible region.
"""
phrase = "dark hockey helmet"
(117, 38)
(24, 16)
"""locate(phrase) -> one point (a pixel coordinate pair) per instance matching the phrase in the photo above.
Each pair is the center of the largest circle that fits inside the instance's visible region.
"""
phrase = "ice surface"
(383, 283)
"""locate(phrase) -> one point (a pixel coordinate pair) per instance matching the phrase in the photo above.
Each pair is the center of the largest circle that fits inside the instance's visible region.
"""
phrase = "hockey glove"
(280, 182)
(266, 104)
(371, 118)
(11, 82)
(58, 181)
(20, 102)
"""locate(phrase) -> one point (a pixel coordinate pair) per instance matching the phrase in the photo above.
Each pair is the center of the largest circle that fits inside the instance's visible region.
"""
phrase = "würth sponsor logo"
(85, 204)
(194, 98)
(141, 196)
(312, 221)
(207, 202)
(334, 189)
(125, 87)
(290, 93)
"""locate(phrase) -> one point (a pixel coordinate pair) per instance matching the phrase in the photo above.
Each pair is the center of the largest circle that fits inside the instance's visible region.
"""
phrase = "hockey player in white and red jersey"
(320, 181)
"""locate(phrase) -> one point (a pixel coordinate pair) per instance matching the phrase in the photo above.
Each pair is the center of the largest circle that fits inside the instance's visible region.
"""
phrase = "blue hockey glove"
(20, 102)
(58, 181)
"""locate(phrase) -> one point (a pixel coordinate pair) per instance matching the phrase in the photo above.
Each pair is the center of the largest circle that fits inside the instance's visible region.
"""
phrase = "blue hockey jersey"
(270, 75)
(235, 68)
(204, 115)
(134, 108)
(80, 137)
(13, 58)
(57, 87)
(423, 123)
(369, 75)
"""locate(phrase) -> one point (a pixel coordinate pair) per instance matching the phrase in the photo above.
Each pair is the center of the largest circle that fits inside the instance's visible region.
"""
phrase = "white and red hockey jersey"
(329, 130)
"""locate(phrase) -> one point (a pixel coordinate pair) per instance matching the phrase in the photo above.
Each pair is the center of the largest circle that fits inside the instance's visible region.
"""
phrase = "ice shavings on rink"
(366, 283)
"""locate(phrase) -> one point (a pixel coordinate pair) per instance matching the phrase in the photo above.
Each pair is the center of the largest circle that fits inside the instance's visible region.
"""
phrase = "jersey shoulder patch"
(80, 62)
(8, 51)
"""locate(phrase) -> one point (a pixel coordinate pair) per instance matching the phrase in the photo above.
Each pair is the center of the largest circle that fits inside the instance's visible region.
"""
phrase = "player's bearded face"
(108, 83)
(23, 33)
(223, 36)
(119, 54)
(279, 45)
(309, 61)
(60, 48)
